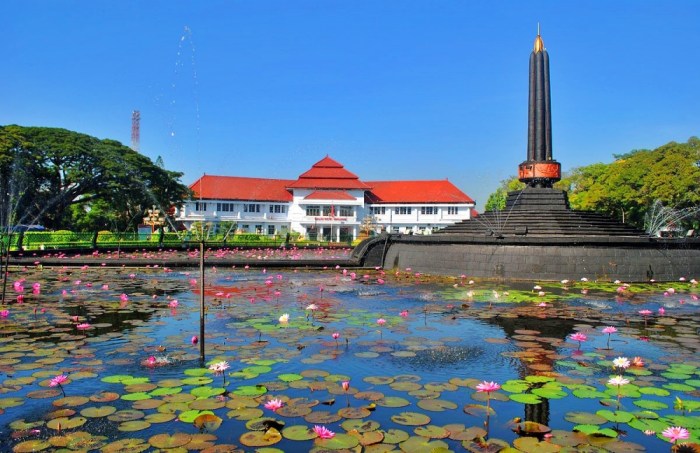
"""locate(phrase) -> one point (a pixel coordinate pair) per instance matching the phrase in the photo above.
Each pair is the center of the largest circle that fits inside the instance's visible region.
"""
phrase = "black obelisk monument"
(540, 169)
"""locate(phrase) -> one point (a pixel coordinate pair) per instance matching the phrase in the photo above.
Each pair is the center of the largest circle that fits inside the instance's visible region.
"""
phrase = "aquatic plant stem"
(201, 302)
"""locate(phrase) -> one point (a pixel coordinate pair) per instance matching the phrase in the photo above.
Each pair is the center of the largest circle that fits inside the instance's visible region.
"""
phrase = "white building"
(326, 202)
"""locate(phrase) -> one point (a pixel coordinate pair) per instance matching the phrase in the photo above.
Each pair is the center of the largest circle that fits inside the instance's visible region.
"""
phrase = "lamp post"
(154, 219)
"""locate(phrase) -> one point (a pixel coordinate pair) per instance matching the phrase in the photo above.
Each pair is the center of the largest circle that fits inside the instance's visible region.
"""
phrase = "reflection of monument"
(538, 236)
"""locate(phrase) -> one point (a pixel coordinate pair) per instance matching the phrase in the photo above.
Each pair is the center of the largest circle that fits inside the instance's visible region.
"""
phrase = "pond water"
(123, 338)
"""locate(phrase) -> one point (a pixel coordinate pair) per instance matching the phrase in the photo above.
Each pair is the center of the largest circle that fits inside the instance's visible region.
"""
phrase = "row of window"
(406, 210)
(333, 211)
(341, 211)
(247, 207)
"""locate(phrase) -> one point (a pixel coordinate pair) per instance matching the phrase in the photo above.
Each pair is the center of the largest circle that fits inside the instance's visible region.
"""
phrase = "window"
(225, 207)
(403, 210)
(428, 210)
(345, 211)
(452, 210)
(251, 207)
(200, 206)
(313, 211)
(258, 229)
(278, 209)
(327, 210)
(376, 210)
(271, 230)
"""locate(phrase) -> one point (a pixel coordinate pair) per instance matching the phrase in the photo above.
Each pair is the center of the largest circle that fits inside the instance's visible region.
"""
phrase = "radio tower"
(135, 130)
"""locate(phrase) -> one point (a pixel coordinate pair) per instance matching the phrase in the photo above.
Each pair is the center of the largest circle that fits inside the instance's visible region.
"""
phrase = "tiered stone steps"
(537, 212)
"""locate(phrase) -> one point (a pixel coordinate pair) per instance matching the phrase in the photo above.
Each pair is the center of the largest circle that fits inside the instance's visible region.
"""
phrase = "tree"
(497, 200)
(64, 179)
(627, 188)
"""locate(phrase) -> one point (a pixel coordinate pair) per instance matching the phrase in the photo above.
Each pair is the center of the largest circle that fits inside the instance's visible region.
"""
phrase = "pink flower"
(381, 321)
(609, 330)
(173, 303)
(404, 314)
(4, 313)
(83, 326)
(638, 362)
(578, 336)
(194, 339)
(219, 367)
(274, 404)
(345, 385)
(323, 432)
(645, 312)
(675, 432)
(662, 311)
(58, 380)
(335, 335)
(487, 387)
(124, 297)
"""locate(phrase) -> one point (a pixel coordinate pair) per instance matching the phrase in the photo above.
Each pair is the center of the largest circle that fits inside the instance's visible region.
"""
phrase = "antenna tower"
(135, 130)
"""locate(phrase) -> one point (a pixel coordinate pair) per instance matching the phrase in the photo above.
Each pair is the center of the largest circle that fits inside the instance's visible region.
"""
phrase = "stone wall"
(547, 260)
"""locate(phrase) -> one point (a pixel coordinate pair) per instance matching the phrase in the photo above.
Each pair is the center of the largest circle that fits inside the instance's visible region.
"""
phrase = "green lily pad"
(270, 436)
(435, 405)
(29, 446)
(419, 444)
(97, 412)
(432, 432)
(654, 391)
(250, 390)
(533, 445)
(584, 418)
(393, 401)
(169, 441)
(615, 416)
(290, 377)
(339, 442)
(410, 419)
(207, 392)
(360, 425)
(136, 396)
(321, 418)
(650, 404)
(11, 402)
(66, 422)
(299, 432)
(595, 430)
(525, 398)
(134, 425)
(354, 412)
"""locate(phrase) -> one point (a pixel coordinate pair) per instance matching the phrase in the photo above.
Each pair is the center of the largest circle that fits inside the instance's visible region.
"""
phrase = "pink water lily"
(274, 404)
(580, 337)
(381, 321)
(323, 432)
(487, 387)
(57, 381)
(674, 433)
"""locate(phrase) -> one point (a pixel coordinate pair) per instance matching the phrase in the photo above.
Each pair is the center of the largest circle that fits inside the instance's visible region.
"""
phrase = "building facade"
(327, 202)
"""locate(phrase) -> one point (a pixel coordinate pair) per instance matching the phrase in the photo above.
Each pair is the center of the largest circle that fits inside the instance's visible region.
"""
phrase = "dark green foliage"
(64, 179)
(627, 188)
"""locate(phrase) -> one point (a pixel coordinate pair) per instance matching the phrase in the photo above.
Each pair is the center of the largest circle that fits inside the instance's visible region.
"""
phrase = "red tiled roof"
(441, 191)
(239, 188)
(329, 195)
(328, 174)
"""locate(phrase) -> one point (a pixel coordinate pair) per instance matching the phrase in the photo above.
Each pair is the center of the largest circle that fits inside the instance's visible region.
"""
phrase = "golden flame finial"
(539, 44)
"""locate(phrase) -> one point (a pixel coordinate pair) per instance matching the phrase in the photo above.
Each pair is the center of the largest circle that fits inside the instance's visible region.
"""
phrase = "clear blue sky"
(397, 89)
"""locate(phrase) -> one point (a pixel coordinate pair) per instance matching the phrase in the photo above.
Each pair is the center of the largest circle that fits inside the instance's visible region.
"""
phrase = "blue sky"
(397, 89)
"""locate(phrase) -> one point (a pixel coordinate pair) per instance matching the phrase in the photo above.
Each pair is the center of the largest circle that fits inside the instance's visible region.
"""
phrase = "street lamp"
(154, 219)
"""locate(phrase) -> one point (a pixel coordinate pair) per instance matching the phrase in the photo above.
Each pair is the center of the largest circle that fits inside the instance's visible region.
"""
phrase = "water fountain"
(539, 236)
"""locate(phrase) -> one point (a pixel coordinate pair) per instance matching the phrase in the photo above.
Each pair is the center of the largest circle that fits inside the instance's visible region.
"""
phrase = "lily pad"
(260, 438)
(419, 444)
(411, 419)
(339, 442)
(299, 432)
(169, 441)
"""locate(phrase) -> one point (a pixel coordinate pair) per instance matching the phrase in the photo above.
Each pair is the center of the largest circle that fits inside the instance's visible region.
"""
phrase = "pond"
(107, 359)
